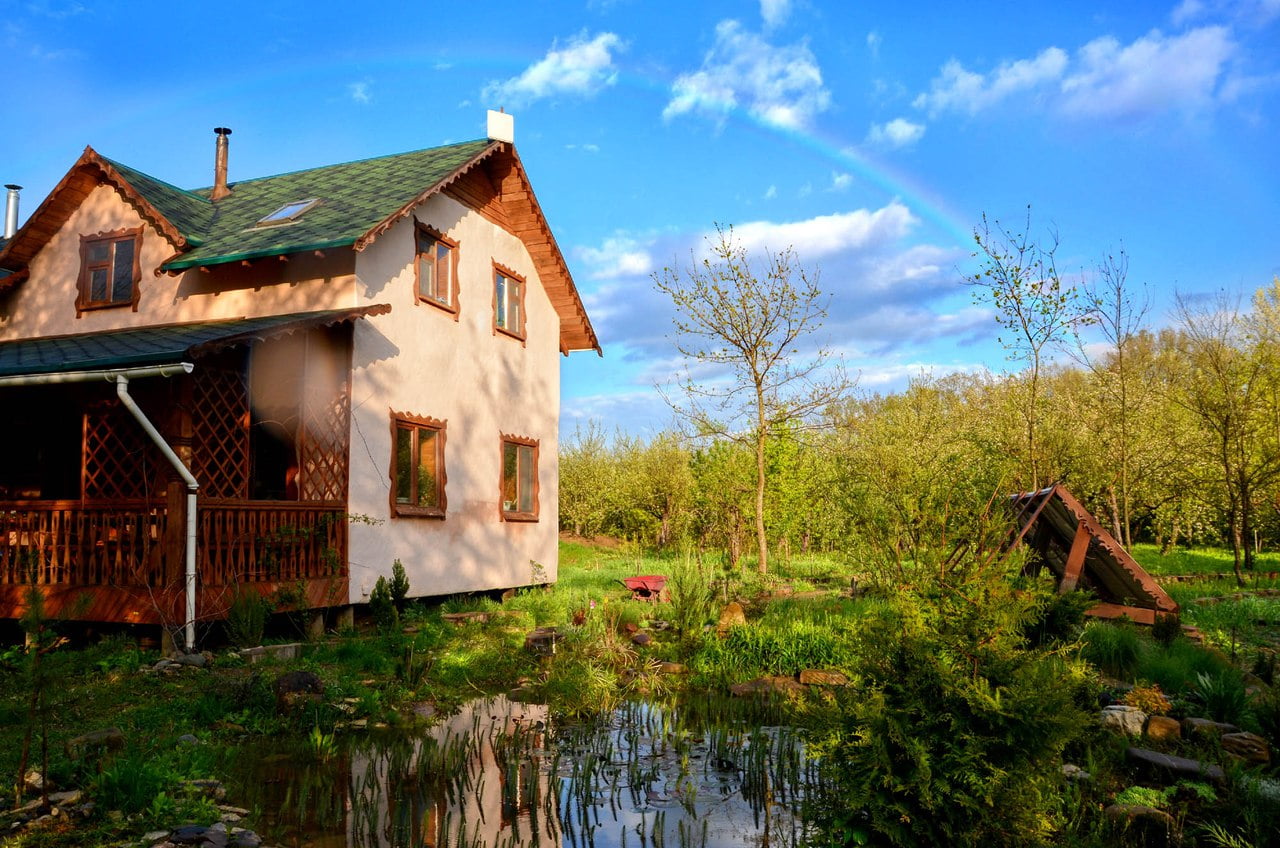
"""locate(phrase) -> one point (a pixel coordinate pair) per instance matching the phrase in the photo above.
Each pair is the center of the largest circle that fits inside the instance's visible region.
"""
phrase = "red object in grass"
(646, 587)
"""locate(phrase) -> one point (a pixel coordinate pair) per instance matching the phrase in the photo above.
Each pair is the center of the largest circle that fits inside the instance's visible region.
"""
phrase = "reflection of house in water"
(456, 785)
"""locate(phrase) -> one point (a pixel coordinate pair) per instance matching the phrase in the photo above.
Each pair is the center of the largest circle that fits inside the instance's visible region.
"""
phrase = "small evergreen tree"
(382, 607)
(399, 585)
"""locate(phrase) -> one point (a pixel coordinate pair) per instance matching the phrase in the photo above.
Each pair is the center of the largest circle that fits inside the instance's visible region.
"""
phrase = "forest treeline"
(1169, 436)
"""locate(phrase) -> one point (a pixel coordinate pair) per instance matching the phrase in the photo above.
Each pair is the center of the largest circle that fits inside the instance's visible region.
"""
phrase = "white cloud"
(619, 256)
(1105, 79)
(588, 148)
(874, 40)
(1253, 13)
(771, 192)
(840, 181)
(825, 235)
(778, 85)
(896, 133)
(775, 12)
(1187, 10)
(359, 91)
(581, 68)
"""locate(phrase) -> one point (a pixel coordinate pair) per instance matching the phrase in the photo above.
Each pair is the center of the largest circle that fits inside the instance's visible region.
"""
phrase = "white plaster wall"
(44, 305)
(419, 360)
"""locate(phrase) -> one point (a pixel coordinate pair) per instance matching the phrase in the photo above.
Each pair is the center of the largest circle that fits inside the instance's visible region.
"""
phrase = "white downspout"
(122, 390)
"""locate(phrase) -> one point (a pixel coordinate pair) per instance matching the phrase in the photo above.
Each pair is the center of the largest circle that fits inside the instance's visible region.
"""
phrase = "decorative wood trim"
(453, 307)
(440, 428)
(507, 515)
(83, 302)
(522, 335)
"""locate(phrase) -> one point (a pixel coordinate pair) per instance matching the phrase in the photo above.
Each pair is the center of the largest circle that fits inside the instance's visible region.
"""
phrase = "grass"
(1196, 560)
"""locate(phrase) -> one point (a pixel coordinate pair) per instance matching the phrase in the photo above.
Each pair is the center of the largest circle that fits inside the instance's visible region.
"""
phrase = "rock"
(155, 835)
(192, 660)
(542, 641)
(296, 687)
(188, 739)
(1163, 729)
(766, 686)
(227, 808)
(1249, 747)
(99, 741)
(246, 839)
(1203, 728)
(1165, 765)
(1145, 826)
(659, 625)
(423, 710)
(1125, 719)
(815, 677)
(732, 616)
(642, 639)
(209, 788)
(1074, 773)
(34, 781)
(673, 668)
(188, 834)
(65, 799)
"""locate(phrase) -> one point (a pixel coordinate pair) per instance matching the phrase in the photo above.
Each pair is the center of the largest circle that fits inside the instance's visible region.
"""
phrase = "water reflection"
(701, 773)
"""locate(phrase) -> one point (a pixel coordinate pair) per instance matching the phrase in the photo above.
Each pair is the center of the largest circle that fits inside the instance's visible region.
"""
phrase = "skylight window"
(288, 213)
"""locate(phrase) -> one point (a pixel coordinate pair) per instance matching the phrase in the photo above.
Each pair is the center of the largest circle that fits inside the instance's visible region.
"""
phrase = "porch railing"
(73, 543)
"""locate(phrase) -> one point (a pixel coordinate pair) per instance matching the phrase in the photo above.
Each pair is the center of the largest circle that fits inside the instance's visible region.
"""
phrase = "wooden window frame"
(418, 423)
(515, 515)
(419, 230)
(84, 286)
(502, 270)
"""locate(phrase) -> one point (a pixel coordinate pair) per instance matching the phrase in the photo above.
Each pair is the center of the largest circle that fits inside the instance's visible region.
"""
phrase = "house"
(282, 384)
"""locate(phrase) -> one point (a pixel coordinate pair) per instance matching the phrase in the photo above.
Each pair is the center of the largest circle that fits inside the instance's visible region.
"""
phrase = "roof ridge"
(235, 183)
(188, 192)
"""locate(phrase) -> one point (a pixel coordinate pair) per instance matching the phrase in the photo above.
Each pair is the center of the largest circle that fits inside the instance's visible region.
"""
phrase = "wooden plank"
(1075, 559)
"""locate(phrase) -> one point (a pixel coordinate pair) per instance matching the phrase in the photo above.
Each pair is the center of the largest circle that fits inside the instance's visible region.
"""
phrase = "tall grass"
(1112, 647)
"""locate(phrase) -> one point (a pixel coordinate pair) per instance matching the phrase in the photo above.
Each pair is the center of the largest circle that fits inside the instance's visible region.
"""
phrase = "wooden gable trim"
(89, 171)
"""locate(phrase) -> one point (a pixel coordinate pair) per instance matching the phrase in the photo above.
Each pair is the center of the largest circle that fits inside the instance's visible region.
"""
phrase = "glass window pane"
(98, 285)
(526, 478)
(509, 462)
(513, 311)
(426, 275)
(428, 494)
(404, 465)
(99, 251)
(500, 283)
(122, 275)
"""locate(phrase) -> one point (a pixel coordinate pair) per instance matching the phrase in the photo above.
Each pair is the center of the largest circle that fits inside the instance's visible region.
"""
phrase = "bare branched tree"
(749, 319)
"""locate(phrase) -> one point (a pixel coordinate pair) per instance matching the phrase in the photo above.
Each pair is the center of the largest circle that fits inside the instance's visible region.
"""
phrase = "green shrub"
(131, 783)
(247, 618)
(399, 585)
(383, 608)
(1112, 647)
(1167, 629)
(692, 600)
(1059, 618)
(1223, 695)
(747, 652)
(1174, 667)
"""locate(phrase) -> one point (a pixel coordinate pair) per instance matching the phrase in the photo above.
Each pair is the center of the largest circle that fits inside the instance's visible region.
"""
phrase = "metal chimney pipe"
(11, 210)
(220, 189)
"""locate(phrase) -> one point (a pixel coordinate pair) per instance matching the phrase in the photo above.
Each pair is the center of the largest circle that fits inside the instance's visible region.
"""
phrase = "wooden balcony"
(123, 561)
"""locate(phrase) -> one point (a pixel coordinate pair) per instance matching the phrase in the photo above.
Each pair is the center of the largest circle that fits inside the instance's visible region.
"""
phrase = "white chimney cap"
(502, 127)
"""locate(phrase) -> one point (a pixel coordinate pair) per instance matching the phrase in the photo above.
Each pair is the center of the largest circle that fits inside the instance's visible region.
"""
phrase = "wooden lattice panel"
(118, 458)
(323, 450)
(220, 430)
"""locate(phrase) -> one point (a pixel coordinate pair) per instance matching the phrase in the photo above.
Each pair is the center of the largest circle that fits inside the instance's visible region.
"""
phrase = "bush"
(1174, 667)
(399, 585)
(1148, 698)
(1112, 647)
(383, 608)
(692, 601)
(247, 618)
(1059, 618)
(1223, 695)
(1167, 629)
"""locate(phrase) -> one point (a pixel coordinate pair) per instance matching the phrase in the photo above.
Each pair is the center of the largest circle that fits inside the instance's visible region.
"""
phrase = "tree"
(748, 321)
(1020, 278)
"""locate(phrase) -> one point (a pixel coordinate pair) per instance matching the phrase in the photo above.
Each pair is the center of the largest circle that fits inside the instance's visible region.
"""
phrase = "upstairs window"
(519, 479)
(436, 269)
(109, 270)
(417, 466)
(288, 213)
(508, 302)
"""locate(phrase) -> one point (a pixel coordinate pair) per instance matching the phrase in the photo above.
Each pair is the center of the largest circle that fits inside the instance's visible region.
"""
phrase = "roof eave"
(187, 263)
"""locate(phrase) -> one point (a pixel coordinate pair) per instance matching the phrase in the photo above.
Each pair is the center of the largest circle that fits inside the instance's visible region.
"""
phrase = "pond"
(698, 772)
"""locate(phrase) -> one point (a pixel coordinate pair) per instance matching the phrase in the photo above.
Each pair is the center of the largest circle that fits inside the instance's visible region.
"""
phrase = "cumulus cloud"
(824, 235)
(581, 68)
(1152, 75)
(840, 181)
(775, 12)
(1247, 12)
(359, 92)
(619, 256)
(896, 133)
(781, 85)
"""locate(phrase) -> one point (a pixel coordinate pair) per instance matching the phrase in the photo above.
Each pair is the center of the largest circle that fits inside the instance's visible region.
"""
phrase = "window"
(109, 269)
(417, 466)
(436, 269)
(519, 479)
(287, 214)
(508, 302)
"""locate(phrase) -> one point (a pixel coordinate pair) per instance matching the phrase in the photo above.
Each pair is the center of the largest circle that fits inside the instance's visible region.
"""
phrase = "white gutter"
(121, 377)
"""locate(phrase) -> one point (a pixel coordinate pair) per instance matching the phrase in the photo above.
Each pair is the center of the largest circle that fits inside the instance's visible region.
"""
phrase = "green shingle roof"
(354, 197)
(143, 346)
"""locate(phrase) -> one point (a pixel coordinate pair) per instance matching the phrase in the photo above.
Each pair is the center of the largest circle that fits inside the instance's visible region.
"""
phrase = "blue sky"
(869, 137)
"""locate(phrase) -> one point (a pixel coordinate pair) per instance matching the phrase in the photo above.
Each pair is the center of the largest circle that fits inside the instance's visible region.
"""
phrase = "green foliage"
(1167, 628)
(1147, 797)
(1174, 667)
(247, 617)
(1059, 618)
(691, 599)
(383, 608)
(1112, 647)
(1223, 695)
(399, 585)
(747, 652)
